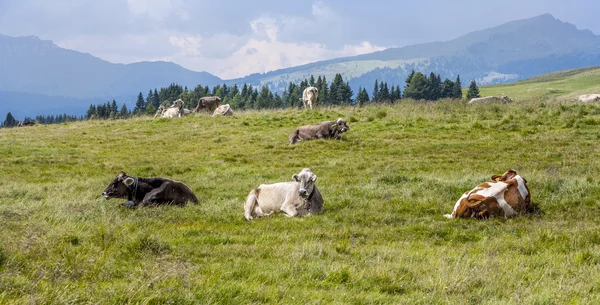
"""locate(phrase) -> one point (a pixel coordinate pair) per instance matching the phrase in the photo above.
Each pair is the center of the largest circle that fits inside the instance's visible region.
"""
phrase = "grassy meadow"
(382, 238)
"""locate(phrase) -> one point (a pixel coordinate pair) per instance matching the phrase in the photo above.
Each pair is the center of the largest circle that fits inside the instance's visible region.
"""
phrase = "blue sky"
(235, 38)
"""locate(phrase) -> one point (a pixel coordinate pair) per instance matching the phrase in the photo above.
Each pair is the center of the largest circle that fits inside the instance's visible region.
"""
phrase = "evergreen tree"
(9, 121)
(362, 97)
(324, 93)
(408, 81)
(124, 113)
(312, 82)
(114, 107)
(417, 88)
(457, 88)
(140, 106)
(447, 89)
(434, 87)
(336, 90)
(473, 90)
(384, 92)
(91, 112)
(375, 92)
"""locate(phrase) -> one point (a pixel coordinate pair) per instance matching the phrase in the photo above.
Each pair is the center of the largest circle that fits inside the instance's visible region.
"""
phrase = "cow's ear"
(295, 178)
(128, 181)
(496, 178)
(313, 178)
(334, 126)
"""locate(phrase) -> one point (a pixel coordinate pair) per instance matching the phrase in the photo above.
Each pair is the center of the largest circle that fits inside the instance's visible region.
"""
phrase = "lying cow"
(310, 97)
(588, 98)
(506, 196)
(159, 112)
(148, 191)
(208, 103)
(296, 198)
(325, 130)
(26, 123)
(491, 99)
(224, 110)
(174, 111)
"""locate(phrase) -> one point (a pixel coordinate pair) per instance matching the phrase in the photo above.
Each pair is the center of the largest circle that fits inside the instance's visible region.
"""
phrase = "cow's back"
(271, 196)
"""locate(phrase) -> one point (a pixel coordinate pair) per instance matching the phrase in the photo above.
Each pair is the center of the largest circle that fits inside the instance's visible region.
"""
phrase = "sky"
(235, 38)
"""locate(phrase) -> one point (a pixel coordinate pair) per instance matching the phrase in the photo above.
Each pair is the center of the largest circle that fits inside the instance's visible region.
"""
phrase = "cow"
(148, 191)
(208, 103)
(159, 112)
(26, 123)
(175, 110)
(491, 99)
(507, 195)
(310, 97)
(298, 198)
(325, 130)
(224, 110)
(588, 98)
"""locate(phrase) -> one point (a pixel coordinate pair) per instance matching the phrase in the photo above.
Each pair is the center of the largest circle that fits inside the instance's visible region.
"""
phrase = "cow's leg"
(154, 197)
(289, 209)
(251, 204)
(294, 137)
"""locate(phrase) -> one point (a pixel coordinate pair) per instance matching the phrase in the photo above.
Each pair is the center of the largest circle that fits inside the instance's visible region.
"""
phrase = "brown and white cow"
(148, 191)
(325, 130)
(310, 97)
(491, 99)
(208, 103)
(297, 198)
(507, 195)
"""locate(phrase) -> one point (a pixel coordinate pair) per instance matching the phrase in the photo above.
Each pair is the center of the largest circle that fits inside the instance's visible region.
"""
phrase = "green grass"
(562, 86)
(381, 239)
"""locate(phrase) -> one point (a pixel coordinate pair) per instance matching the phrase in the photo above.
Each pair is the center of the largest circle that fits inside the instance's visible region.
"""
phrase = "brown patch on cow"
(484, 185)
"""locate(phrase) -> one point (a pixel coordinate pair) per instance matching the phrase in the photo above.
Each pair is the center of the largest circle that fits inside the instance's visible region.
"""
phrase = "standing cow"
(325, 130)
(148, 191)
(296, 198)
(310, 97)
(507, 195)
(208, 103)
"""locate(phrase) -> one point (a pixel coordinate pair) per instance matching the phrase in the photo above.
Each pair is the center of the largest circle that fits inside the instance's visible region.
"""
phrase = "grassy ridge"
(382, 238)
(557, 86)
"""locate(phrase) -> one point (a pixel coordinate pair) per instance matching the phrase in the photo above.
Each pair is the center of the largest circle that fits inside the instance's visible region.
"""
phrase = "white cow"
(296, 198)
(224, 109)
(175, 110)
(310, 97)
(491, 99)
(159, 112)
(588, 98)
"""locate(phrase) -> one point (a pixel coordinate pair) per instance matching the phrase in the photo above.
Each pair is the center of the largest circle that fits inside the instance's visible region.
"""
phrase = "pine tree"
(417, 87)
(447, 89)
(140, 106)
(375, 94)
(324, 93)
(473, 90)
(384, 92)
(9, 121)
(124, 113)
(91, 112)
(362, 97)
(457, 88)
(408, 81)
(312, 82)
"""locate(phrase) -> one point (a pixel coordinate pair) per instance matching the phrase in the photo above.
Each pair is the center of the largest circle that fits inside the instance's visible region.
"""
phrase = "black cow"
(26, 123)
(148, 191)
(325, 130)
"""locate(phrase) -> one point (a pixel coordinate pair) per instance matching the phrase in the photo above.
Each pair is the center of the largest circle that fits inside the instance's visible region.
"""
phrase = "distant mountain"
(509, 52)
(34, 67)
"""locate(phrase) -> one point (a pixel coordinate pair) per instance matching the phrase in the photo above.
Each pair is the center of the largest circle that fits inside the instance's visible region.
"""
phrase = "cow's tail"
(250, 203)
(294, 137)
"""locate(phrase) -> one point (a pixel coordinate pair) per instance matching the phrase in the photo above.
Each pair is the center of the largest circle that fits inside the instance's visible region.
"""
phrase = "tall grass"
(381, 239)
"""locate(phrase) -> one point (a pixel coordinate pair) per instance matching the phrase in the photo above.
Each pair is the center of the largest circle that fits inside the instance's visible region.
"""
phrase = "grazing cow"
(588, 98)
(491, 99)
(507, 195)
(310, 97)
(325, 130)
(148, 191)
(26, 123)
(296, 198)
(208, 103)
(159, 112)
(224, 110)
(175, 110)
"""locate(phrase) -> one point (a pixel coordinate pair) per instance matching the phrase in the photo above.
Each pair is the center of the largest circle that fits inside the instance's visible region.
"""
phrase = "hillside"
(561, 86)
(508, 52)
(381, 239)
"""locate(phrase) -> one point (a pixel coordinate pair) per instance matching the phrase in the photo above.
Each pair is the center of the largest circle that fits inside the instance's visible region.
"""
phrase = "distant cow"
(296, 198)
(175, 110)
(148, 191)
(310, 97)
(506, 195)
(325, 130)
(26, 123)
(208, 103)
(224, 110)
(588, 98)
(491, 99)
(159, 112)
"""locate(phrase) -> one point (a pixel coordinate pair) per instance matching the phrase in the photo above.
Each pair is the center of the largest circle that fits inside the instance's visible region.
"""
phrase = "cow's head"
(510, 174)
(119, 187)
(307, 179)
(341, 125)
(506, 99)
(178, 103)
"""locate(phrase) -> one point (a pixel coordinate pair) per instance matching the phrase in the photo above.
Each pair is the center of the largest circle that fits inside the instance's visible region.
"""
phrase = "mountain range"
(38, 77)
